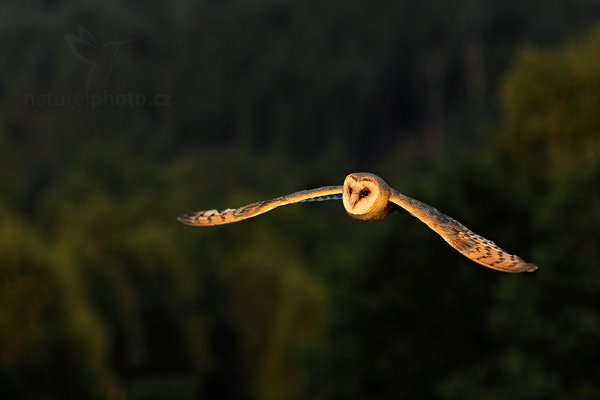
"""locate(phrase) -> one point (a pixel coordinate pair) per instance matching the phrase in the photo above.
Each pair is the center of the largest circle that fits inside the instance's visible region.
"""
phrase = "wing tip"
(186, 219)
(529, 267)
(517, 267)
(207, 218)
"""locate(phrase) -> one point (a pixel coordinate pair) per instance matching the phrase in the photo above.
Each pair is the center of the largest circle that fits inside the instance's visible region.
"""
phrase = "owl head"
(366, 197)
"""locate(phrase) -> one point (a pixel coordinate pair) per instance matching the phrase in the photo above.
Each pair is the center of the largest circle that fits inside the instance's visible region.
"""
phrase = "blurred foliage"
(104, 295)
(547, 99)
(51, 343)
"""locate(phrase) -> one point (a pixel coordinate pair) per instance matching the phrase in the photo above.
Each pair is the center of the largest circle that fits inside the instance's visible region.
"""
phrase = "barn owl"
(367, 197)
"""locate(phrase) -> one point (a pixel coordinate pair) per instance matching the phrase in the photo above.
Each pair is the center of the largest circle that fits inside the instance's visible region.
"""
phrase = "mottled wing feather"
(214, 217)
(468, 243)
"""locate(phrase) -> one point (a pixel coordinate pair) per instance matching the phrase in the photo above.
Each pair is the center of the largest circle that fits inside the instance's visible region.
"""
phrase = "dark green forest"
(116, 117)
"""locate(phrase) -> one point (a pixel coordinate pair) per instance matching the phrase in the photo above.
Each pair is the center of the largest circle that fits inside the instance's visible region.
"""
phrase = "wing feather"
(214, 217)
(468, 243)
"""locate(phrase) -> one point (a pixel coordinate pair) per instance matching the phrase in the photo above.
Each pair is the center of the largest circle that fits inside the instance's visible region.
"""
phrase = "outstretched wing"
(468, 243)
(214, 217)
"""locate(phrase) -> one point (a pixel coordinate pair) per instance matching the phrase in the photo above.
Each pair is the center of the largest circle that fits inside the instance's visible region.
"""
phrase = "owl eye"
(350, 190)
(364, 193)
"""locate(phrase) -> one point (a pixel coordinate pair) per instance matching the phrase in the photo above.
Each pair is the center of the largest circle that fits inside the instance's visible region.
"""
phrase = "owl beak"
(354, 197)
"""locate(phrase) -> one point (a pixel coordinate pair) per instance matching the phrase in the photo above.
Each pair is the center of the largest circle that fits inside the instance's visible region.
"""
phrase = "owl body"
(367, 197)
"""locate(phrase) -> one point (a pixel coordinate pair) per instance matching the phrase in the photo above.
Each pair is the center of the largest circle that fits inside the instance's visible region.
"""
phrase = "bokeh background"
(115, 117)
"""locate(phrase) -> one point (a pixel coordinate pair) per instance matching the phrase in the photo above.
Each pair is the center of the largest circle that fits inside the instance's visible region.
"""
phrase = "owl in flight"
(367, 197)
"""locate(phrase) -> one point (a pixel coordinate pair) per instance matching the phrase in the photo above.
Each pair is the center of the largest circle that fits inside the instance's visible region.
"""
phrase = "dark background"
(115, 117)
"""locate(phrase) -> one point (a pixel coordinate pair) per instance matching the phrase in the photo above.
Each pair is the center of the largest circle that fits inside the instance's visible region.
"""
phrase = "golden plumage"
(367, 197)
